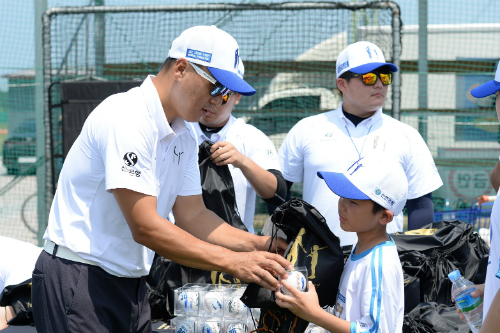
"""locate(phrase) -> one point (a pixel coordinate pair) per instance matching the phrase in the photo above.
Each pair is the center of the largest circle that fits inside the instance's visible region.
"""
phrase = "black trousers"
(70, 296)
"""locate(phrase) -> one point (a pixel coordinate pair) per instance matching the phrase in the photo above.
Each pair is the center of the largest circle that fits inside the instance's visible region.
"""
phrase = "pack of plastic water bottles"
(210, 308)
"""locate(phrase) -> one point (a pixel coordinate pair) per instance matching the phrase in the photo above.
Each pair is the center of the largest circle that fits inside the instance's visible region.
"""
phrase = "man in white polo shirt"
(249, 154)
(134, 162)
(338, 139)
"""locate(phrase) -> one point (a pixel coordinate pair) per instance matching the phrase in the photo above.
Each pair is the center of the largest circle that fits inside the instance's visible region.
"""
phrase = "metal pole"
(423, 67)
(396, 55)
(40, 7)
(217, 7)
(99, 39)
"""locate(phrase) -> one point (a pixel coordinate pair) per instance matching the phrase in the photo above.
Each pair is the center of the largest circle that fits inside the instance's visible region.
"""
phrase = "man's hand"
(303, 304)
(259, 267)
(223, 153)
(479, 292)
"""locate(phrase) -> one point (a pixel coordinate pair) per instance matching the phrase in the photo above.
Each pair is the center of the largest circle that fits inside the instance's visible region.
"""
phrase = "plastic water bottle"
(472, 308)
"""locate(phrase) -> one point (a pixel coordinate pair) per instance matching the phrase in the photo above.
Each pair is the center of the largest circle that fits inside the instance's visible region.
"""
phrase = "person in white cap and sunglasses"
(250, 155)
(370, 297)
(134, 162)
(336, 139)
(489, 290)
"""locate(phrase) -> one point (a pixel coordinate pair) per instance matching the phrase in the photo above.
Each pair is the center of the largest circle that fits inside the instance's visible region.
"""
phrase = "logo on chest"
(379, 143)
(328, 136)
(177, 157)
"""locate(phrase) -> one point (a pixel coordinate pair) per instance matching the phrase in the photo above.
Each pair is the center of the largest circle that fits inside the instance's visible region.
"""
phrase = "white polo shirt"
(126, 142)
(492, 284)
(330, 142)
(17, 261)
(255, 145)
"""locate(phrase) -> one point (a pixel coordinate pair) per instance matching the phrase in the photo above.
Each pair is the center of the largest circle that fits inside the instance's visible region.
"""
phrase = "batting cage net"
(289, 52)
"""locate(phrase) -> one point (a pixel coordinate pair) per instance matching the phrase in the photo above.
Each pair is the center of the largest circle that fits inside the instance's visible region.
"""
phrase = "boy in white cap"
(336, 139)
(371, 291)
(134, 162)
(489, 290)
(250, 155)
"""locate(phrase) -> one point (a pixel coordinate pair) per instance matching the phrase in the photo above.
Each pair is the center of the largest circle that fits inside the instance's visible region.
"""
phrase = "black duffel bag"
(432, 252)
(434, 318)
(19, 297)
(311, 244)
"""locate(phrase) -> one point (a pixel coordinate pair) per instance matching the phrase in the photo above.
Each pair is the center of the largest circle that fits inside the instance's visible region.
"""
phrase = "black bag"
(432, 252)
(412, 291)
(219, 196)
(218, 188)
(311, 244)
(434, 318)
(156, 283)
(19, 297)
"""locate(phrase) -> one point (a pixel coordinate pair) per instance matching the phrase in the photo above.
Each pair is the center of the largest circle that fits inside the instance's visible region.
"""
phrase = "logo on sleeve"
(130, 159)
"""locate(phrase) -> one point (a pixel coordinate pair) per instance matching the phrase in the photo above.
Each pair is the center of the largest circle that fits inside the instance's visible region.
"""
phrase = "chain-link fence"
(289, 51)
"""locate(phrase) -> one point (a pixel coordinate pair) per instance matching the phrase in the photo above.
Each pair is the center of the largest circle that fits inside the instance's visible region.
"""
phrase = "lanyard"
(359, 153)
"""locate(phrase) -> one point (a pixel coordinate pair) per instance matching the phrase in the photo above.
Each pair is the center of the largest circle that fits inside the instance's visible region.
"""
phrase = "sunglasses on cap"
(219, 89)
(370, 79)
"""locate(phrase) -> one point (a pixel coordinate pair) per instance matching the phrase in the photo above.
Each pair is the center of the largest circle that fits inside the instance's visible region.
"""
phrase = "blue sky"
(17, 21)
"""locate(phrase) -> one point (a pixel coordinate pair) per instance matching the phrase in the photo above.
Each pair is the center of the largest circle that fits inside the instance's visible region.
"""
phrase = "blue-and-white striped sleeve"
(354, 327)
(379, 301)
(376, 298)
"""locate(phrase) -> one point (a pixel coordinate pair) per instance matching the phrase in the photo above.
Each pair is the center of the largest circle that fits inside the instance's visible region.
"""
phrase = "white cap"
(377, 177)
(241, 69)
(361, 58)
(489, 87)
(217, 50)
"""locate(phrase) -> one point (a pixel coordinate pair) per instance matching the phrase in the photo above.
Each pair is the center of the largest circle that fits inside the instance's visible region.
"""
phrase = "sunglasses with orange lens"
(225, 98)
(370, 79)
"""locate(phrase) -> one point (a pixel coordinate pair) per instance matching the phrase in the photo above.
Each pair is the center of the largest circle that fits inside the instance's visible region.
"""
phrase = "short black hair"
(346, 75)
(168, 63)
(377, 208)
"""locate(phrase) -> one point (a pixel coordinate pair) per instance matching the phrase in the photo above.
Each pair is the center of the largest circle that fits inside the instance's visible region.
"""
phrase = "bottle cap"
(455, 275)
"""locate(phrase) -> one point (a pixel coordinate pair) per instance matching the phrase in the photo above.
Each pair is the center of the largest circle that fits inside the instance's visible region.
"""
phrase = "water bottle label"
(468, 303)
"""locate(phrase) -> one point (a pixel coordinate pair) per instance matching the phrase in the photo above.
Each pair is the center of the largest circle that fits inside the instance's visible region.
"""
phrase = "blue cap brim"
(486, 89)
(341, 186)
(366, 68)
(232, 81)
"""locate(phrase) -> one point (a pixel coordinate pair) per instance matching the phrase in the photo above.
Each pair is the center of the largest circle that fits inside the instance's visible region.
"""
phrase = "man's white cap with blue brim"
(362, 58)
(379, 177)
(489, 87)
(217, 50)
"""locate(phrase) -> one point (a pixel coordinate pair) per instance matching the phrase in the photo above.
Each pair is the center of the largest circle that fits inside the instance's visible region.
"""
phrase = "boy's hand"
(303, 304)
(479, 292)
